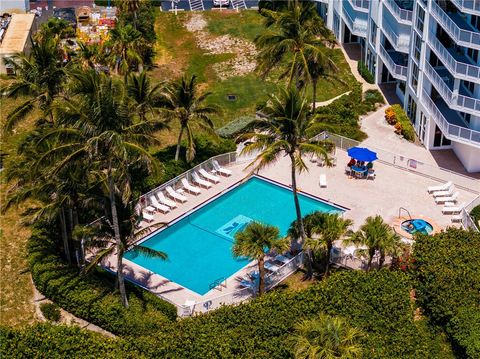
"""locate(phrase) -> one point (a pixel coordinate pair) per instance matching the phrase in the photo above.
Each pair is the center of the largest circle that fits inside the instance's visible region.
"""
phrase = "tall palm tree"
(39, 77)
(144, 96)
(88, 55)
(184, 103)
(377, 235)
(95, 125)
(129, 7)
(293, 35)
(286, 131)
(125, 45)
(326, 337)
(254, 241)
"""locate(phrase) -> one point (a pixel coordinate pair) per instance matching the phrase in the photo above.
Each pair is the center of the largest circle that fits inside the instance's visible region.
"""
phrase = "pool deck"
(391, 189)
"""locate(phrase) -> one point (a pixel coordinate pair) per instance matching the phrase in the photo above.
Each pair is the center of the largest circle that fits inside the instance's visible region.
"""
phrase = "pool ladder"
(406, 210)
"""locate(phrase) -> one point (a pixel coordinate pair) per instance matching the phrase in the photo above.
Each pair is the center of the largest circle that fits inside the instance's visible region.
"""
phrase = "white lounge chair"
(147, 217)
(164, 200)
(446, 193)
(209, 176)
(271, 267)
(158, 206)
(190, 188)
(453, 209)
(457, 218)
(323, 180)
(452, 198)
(220, 169)
(201, 182)
(175, 195)
(442, 187)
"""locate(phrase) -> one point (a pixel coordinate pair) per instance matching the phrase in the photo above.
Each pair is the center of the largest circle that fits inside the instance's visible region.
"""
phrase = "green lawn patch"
(247, 24)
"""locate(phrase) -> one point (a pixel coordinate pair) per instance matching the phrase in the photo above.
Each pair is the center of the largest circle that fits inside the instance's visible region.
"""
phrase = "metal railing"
(468, 5)
(467, 220)
(452, 132)
(397, 71)
(461, 36)
(400, 43)
(466, 71)
(360, 5)
(402, 15)
(456, 101)
(357, 27)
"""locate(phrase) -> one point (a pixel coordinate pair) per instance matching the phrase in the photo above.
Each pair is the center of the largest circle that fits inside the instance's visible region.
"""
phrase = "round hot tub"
(417, 225)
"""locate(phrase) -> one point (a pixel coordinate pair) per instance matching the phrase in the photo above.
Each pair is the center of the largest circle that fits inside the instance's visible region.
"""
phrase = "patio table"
(359, 170)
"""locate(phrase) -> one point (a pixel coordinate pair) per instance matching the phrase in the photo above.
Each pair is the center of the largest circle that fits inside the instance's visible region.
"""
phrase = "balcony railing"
(397, 71)
(401, 44)
(402, 15)
(455, 101)
(357, 27)
(452, 132)
(462, 37)
(360, 5)
(462, 70)
(469, 6)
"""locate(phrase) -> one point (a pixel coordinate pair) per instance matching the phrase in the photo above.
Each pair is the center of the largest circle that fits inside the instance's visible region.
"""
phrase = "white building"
(430, 49)
(14, 6)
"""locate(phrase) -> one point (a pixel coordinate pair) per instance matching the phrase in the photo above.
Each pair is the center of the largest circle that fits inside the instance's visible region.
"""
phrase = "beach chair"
(457, 218)
(147, 217)
(220, 169)
(201, 182)
(209, 176)
(175, 195)
(453, 209)
(443, 187)
(452, 198)
(446, 193)
(164, 200)
(323, 180)
(189, 188)
(159, 207)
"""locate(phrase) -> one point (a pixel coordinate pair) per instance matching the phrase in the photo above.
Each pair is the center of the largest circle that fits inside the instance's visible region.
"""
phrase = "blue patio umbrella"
(362, 154)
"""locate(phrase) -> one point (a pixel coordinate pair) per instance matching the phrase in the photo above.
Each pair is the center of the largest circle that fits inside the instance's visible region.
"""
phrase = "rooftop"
(17, 33)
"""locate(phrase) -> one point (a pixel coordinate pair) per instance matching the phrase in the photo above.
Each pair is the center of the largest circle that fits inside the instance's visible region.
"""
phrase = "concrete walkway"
(328, 102)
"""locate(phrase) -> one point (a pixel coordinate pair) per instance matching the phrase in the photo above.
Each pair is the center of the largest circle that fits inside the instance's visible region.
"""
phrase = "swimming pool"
(199, 246)
(417, 225)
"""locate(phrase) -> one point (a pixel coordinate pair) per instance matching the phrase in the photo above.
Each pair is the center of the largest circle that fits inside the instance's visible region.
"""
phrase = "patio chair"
(209, 176)
(452, 198)
(159, 207)
(175, 195)
(446, 193)
(443, 187)
(348, 170)
(323, 180)
(371, 175)
(220, 169)
(164, 200)
(147, 217)
(201, 182)
(453, 209)
(190, 188)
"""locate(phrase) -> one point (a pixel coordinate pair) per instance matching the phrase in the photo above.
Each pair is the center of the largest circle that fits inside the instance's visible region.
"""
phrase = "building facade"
(430, 50)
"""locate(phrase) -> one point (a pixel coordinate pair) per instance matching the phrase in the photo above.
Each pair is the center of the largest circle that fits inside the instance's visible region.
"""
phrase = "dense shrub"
(447, 274)
(237, 126)
(93, 297)
(50, 311)
(396, 116)
(475, 213)
(365, 72)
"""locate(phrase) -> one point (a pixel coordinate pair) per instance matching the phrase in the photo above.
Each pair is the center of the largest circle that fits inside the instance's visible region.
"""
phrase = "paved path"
(328, 102)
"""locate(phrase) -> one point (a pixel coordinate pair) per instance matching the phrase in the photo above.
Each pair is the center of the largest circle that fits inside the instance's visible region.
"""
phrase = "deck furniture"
(322, 180)
(223, 171)
(200, 181)
(164, 200)
(442, 187)
(147, 217)
(176, 196)
(452, 198)
(209, 176)
(190, 188)
(157, 205)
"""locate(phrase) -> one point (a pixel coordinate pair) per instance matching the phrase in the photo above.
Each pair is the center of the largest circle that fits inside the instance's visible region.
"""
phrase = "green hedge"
(93, 297)
(365, 72)
(475, 213)
(447, 273)
(51, 311)
(408, 132)
(237, 126)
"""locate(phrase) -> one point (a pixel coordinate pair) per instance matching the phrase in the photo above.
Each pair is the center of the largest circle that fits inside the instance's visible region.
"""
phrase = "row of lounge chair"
(160, 203)
(447, 195)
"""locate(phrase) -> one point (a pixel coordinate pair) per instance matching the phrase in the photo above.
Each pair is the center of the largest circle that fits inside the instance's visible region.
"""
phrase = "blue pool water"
(199, 246)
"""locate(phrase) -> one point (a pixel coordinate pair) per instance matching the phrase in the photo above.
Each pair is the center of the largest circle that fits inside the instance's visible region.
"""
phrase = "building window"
(470, 86)
(417, 47)
(440, 140)
(412, 109)
(420, 18)
(473, 54)
(373, 33)
(414, 78)
(467, 117)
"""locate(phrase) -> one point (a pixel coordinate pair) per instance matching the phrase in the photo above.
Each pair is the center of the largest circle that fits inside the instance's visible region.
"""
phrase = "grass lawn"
(16, 296)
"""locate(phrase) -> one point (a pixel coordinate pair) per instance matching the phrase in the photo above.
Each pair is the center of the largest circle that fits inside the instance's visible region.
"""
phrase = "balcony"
(468, 6)
(399, 71)
(402, 15)
(456, 26)
(456, 63)
(357, 26)
(360, 5)
(400, 43)
(451, 131)
(444, 85)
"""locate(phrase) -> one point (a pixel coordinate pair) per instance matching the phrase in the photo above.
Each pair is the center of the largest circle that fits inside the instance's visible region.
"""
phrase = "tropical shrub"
(390, 116)
(447, 274)
(365, 72)
(237, 126)
(371, 99)
(50, 311)
(395, 115)
(475, 213)
(93, 297)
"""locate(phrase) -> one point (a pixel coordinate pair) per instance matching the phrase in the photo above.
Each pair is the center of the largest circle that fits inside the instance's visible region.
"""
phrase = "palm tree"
(254, 241)
(286, 131)
(88, 55)
(293, 35)
(125, 45)
(183, 102)
(377, 235)
(144, 96)
(39, 77)
(129, 7)
(326, 337)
